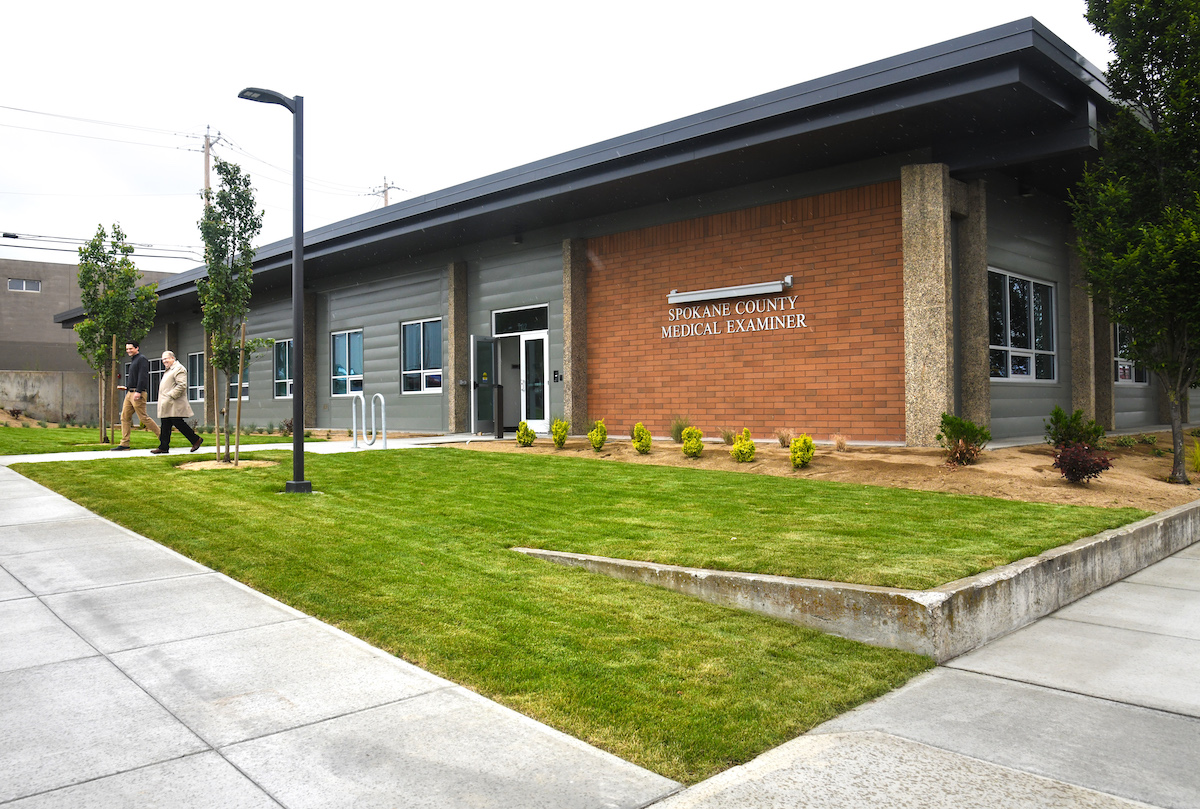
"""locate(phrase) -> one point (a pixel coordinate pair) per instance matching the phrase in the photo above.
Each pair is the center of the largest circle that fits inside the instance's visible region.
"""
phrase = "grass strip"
(409, 550)
(38, 440)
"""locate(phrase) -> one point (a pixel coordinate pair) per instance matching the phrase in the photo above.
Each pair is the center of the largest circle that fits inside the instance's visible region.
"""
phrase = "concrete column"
(310, 361)
(458, 363)
(1084, 377)
(975, 393)
(575, 409)
(1102, 351)
(928, 301)
(171, 343)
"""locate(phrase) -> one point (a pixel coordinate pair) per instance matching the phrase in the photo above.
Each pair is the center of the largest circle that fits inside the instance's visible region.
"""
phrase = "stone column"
(1084, 377)
(310, 361)
(928, 301)
(1102, 351)
(458, 361)
(974, 361)
(575, 406)
(171, 343)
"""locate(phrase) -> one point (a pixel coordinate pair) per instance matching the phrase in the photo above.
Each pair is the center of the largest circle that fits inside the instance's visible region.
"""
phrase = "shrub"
(839, 442)
(963, 440)
(727, 436)
(1195, 457)
(693, 442)
(802, 450)
(785, 437)
(1062, 429)
(270, 427)
(285, 427)
(24, 424)
(743, 447)
(1146, 438)
(1079, 463)
(15, 412)
(62, 425)
(598, 435)
(558, 431)
(1124, 441)
(69, 418)
(641, 438)
(308, 433)
(679, 425)
(525, 435)
(42, 423)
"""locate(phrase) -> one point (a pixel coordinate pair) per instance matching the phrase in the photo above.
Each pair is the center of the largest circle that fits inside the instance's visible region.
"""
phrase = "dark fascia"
(711, 132)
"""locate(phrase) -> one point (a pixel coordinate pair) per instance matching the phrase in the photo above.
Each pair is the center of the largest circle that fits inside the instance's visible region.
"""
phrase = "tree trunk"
(100, 414)
(228, 458)
(1179, 467)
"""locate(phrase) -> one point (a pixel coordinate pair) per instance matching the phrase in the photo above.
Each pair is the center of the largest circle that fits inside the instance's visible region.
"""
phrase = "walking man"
(173, 407)
(137, 382)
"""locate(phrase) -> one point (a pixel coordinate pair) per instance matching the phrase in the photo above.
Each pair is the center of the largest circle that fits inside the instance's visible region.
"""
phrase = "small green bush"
(802, 451)
(42, 423)
(62, 425)
(558, 432)
(1146, 438)
(1062, 429)
(1125, 441)
(1079, 463)
(678, 425)
(1194, 457)
(641, 438)
(525, 435)
(963, 440)
(598, 435)
(743, 447)
(693, 442)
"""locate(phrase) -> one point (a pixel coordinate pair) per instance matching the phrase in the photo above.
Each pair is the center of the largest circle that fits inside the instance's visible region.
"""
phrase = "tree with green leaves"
(114, 304)
(1137, 210)
(228, 229)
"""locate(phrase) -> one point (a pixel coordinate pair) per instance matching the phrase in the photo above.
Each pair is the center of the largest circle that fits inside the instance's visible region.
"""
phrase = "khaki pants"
(130, 407)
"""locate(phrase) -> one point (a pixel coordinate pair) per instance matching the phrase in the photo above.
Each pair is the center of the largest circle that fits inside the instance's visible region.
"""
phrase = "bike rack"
(355, 403)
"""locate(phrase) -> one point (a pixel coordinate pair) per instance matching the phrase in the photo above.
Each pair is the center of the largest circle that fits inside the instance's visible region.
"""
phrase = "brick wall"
(842, 371)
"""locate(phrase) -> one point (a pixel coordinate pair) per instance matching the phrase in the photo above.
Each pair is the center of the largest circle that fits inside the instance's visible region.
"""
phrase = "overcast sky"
(425, 94)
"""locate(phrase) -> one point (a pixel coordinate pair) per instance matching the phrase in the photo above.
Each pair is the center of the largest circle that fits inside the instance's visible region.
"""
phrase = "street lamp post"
(296, 107)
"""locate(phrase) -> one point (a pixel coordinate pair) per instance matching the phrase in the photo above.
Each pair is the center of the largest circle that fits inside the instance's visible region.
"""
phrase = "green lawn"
(36, 440)
(409, 550)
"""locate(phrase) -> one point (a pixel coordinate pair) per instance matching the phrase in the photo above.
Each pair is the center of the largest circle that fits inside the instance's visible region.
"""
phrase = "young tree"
(229, 227)
(114, 304)
(1137, 211)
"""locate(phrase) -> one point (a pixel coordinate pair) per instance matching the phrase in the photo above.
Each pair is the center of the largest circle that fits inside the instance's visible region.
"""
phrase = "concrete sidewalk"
(132, 676)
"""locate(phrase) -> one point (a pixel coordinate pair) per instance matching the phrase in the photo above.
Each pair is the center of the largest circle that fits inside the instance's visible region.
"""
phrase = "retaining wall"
(49, 395)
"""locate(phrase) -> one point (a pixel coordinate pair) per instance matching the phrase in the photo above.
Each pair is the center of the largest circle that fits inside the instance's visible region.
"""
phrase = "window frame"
(25, 285)
(156, 375)
(192, 395)
(245, 384)
(1137, 374)
(348, 377)
(425, 374)
(1030, 354)
(288, 380)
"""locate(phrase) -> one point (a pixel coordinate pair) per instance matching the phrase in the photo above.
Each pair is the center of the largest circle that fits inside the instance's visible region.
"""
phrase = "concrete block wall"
(841, 372)
(49, 395)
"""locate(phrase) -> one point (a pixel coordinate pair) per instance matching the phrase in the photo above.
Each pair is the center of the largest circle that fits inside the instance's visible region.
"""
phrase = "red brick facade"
(839, 369)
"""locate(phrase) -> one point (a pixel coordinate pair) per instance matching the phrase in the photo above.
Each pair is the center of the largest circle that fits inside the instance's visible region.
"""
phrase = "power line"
(102, 123)
(97, 137)
(70, 250)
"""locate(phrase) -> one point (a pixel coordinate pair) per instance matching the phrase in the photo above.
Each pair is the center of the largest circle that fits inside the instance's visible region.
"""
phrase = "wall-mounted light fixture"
(741, 291)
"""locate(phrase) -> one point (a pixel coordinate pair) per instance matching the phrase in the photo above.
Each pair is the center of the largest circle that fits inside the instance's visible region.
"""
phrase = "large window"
(1021, 328)
(156, 374)
(421, 354)
(283, 369)
(1123, 368)
(195, 374)
(245, 386)
(24, 285)
(346, 362)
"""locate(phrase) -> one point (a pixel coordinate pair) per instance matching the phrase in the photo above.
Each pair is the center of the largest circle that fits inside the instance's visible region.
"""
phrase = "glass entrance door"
(484, 367)
(534, 361)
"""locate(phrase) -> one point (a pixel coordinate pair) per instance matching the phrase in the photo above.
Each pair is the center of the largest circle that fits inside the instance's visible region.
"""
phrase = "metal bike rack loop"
(361, 401)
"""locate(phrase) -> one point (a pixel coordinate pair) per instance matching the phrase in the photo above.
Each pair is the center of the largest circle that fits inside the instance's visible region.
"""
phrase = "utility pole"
(211, 415)
(383, 192)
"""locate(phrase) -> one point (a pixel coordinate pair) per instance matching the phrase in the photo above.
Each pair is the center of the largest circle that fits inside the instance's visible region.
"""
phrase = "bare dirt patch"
(193, 466)
(1137, 478)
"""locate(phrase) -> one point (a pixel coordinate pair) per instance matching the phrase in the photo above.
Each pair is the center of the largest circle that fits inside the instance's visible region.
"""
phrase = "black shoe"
(157, 451)
(196, 446)
(121, 447)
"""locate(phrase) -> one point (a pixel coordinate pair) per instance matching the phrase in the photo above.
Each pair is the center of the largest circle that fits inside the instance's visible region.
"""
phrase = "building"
(856, 254)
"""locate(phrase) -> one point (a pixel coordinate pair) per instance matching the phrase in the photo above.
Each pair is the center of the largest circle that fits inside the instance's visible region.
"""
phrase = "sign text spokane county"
(715, 318)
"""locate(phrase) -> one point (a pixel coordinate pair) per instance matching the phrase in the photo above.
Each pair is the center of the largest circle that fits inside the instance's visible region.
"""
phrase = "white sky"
(427, 94)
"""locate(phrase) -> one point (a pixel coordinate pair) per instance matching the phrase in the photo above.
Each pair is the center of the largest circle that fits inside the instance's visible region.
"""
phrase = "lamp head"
(268, 97)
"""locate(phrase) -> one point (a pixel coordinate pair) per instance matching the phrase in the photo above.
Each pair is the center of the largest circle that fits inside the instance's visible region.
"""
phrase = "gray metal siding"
(1029, 236)
(1136, 405)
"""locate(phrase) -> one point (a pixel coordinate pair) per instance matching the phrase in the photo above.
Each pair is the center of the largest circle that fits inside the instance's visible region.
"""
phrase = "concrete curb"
(942, 623)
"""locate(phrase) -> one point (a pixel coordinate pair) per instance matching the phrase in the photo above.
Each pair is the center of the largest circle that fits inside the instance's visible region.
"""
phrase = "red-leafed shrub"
(1079, 463)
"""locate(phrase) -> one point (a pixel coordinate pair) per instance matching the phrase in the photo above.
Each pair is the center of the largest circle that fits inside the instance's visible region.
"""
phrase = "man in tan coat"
(173, 407)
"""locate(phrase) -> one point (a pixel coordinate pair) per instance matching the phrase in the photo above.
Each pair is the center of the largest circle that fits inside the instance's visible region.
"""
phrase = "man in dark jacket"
(137, 383)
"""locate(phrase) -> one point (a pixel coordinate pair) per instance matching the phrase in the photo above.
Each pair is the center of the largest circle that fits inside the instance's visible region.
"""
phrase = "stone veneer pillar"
(458, 361)
(974, 361)
(1102, 354)
(310, 361)
(928, 301)
(575, 410)
(1085, 379)
(171, 342)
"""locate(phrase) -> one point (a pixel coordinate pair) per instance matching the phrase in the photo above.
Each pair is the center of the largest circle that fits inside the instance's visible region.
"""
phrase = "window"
(195, 374)
(516, 321)
(346, 362)
(1123, 368)
(233, 385)
(1021, 328)
(283, 369)
(421, 356)
(156, 375)
(24, 285)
